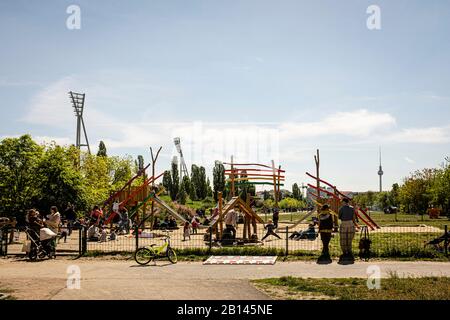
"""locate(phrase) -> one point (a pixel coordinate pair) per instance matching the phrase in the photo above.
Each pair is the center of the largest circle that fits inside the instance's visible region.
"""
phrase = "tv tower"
(380, 173)
(183, 167)
(78, 105)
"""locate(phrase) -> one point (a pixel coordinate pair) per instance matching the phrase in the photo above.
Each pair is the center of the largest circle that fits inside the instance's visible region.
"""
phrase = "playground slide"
(115, 194)
(369, 218)
(302, 219)
(336, 197)
(164, 205)
(138, 190)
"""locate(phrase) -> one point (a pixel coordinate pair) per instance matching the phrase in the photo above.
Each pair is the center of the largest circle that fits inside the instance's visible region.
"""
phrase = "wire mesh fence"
(387, 241)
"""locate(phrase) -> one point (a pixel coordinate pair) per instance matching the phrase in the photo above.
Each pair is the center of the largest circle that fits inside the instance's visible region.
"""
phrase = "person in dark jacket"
(70, 216)
(276, 217)
(325, 229)
(270, 227)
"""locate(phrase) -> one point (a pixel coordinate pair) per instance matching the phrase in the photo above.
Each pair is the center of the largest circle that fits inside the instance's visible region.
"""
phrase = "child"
(104, 235)
(113, 235)
(195, 224)
(270, 227)
(187, 231)
(64, 231)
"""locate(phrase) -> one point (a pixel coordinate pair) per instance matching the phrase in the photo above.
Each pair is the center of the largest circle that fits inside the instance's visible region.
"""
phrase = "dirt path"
(106, 279)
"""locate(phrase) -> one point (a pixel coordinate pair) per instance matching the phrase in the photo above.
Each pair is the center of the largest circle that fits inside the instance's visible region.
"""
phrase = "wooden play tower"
(240, 175)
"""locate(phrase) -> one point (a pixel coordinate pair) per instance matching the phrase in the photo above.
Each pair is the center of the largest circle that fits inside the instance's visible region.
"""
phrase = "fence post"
(2, 253)
(84, 239)
(136, 230)
(210, 240)
(80, 241)
(287, 242)
(446, 241)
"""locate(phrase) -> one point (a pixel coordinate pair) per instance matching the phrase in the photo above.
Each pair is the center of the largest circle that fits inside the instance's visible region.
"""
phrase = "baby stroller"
(42, 244)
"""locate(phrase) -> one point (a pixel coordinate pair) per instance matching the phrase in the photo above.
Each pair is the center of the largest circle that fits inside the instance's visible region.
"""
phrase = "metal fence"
(388, 241)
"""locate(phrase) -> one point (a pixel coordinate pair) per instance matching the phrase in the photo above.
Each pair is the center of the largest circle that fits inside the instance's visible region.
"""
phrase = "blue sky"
(258, 79)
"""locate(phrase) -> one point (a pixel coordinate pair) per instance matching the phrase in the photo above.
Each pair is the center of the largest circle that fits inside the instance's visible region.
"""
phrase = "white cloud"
(409, 160)
(358, 123)
(422, 135)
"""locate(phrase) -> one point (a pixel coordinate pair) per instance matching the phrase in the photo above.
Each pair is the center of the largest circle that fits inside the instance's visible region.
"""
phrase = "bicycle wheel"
(143, 256)
(171, 255)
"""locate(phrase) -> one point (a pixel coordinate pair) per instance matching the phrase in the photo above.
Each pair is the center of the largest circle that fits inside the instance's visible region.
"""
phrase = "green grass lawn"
(391, 288)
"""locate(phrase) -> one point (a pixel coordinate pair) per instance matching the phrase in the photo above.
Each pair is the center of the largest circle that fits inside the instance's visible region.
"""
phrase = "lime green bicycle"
(152, 252)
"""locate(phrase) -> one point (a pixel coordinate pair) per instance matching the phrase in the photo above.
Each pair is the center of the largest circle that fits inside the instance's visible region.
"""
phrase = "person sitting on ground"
(172, 223)
(103, 234)
(186, 231)
(93, 233)
(270, 227)
(113, 235)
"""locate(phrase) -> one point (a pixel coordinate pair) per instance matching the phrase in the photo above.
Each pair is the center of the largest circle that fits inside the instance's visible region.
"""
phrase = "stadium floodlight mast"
(183, 167)
(77, 100)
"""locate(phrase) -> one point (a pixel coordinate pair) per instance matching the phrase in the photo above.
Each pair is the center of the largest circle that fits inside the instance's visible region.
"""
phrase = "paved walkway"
(109, 279)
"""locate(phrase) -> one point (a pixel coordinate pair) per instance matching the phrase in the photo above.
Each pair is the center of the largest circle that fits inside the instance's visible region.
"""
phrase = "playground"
(234, 223)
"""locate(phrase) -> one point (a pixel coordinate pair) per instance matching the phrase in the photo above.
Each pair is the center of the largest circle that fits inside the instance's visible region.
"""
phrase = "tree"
(97, 178)
(59, 181)
(415, 192)
(182, 195)
(198, 180)
(394, 195)
(209, 189)
(19, 159)
(186, 183)
(175, 181)
(218, 179)
(140, 162)
(202, 191)
(167, 181)
(296, 194)
(382, 200)
(101, 150)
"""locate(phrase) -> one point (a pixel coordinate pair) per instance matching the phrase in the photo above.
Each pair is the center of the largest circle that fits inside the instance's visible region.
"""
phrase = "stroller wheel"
(32, 256)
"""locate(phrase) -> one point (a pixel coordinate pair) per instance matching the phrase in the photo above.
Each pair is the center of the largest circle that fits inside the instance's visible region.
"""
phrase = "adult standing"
(230, 222)
(325, 230)
(53, 219)
(347, 231)
(276, 217)
(70, 216)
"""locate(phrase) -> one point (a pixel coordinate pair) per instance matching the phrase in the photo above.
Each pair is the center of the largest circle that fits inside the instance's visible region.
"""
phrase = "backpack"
(364, 244)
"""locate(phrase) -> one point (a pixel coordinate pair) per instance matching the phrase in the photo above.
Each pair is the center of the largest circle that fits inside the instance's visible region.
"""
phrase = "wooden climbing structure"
(241, 175)
(334, 197)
